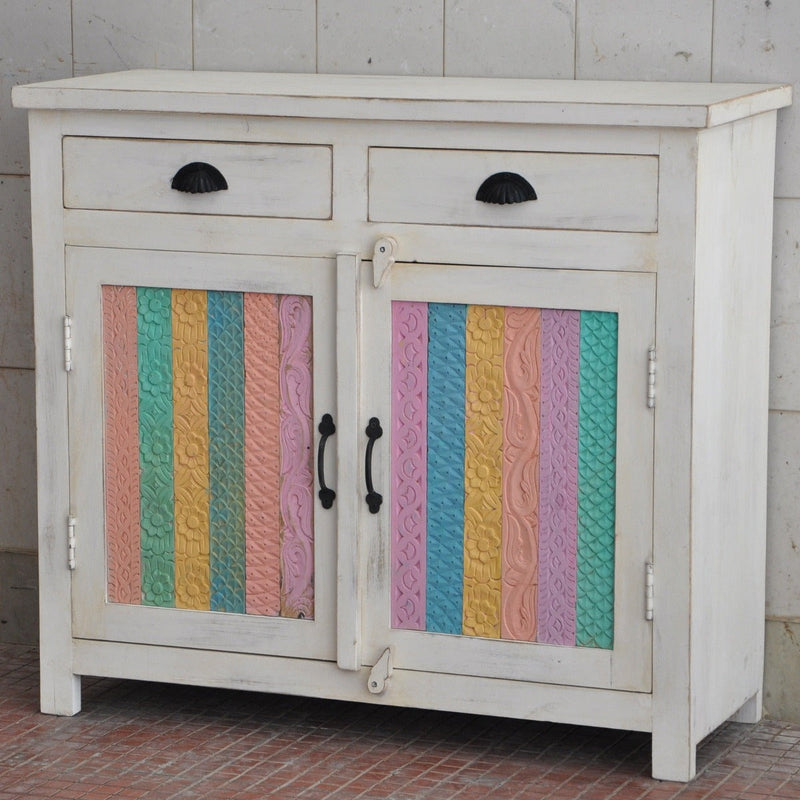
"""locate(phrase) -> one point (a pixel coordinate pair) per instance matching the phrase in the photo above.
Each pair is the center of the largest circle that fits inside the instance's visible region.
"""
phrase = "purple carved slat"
(558, 477)
(409, 462)
(297, 440)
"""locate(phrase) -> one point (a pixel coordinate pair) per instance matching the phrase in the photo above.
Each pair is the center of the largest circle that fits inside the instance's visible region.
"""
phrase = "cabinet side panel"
(731, 363)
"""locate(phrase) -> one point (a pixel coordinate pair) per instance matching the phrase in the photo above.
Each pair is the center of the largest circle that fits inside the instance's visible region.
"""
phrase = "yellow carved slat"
(191, 468)
(483, 469)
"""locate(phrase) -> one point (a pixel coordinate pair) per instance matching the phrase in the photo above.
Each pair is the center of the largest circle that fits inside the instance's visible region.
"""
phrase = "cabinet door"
(196, 391)
(516, 471)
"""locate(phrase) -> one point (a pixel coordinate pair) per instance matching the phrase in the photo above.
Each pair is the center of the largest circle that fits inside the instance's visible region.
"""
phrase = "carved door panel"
(197, 386)
(516, 473)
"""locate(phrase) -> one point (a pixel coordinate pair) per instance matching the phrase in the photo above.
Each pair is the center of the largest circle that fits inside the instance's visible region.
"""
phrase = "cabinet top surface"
(503, 100)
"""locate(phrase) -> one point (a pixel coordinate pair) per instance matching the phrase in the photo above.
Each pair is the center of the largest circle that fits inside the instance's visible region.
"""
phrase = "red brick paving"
(142, 740)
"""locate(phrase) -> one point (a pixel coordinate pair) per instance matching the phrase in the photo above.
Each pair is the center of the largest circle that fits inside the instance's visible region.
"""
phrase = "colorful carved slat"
(297, 439)
(191, 447)
(262, 461)
(596, 479)
(483, 467)
(155, 446)
(445, 496)
(409, 464)
(120, 385)
(520, 569)
(558, 495)
(226, 450)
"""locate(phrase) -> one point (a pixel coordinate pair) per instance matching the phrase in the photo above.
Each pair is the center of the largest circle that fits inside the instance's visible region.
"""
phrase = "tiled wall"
(695, 40)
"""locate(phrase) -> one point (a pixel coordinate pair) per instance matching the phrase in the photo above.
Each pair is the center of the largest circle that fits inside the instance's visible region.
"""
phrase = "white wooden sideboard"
(446, 393)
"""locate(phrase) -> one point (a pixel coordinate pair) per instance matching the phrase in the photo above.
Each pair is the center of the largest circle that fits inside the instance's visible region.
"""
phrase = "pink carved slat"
(558, 478)
(520, 570)
(409, 462)
(261, 459)
(297, 440)
(121, 397)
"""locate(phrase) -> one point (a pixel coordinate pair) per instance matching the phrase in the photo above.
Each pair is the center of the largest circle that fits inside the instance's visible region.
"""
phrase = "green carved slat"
(154, 328)
(596, 479)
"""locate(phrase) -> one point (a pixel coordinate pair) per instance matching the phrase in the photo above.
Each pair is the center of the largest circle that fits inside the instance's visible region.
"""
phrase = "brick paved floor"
(142, 740)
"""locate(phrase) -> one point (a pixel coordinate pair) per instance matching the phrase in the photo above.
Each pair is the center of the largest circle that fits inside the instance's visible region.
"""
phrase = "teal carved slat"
(445, 546)
(597, 479)
(226, 450)
(154, 331)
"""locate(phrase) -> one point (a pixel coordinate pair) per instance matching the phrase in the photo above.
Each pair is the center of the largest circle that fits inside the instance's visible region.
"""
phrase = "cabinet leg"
(751, 711)
(59, 690)
(674, 757)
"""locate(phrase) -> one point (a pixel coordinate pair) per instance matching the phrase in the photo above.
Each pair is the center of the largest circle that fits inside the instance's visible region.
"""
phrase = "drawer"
(265, 180)
(582, 191)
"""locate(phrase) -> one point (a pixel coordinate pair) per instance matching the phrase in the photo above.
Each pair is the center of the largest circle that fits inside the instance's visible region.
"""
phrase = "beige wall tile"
(19, 607)
(783, 520)
(759, 41)
(18, 464)
(16, 290)
(510, 38)
(35, 45)
(784, 351)
(248, 36)
(661, 40)
(384, 37)
(781, 675)
(111, 35)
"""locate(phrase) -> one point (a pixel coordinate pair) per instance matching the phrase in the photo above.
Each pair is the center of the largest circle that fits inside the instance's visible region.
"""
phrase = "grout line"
(575, 43)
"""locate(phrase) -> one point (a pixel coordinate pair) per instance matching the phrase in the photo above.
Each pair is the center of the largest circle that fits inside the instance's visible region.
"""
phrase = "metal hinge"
(648, 590)
(381, 673)
(651, 377)
(71, 542)
(67, 342)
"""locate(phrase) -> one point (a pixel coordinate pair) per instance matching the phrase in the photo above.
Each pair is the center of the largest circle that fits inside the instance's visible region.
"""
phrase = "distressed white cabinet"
(519, 328)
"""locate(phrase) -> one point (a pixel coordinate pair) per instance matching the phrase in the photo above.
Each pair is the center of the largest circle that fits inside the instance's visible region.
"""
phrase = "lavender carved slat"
(409, 463)
(297, 439)
(558, 481)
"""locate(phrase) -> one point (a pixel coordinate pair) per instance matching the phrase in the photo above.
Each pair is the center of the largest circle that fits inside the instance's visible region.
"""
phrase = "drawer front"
(267, 180)
(581, 191)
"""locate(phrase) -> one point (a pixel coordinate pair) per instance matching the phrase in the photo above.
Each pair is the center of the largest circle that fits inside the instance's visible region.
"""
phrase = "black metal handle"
(374, 431)
(326, 429)
(199, 178)
(505, 187)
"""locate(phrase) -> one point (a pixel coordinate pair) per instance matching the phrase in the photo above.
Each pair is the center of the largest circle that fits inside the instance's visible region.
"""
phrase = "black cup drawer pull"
(199, 178)
(505, 187)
